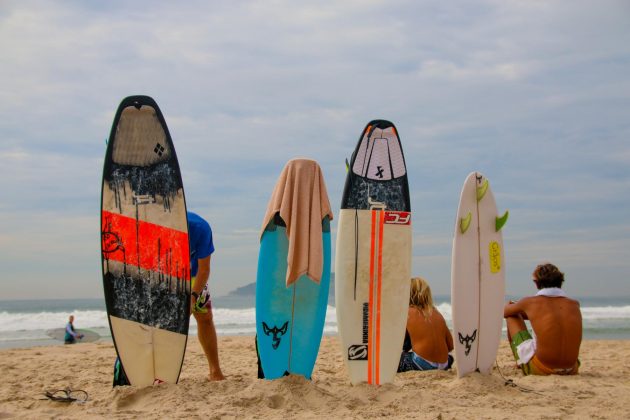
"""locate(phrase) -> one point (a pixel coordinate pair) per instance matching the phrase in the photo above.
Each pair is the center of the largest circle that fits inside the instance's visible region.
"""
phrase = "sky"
(533, 94)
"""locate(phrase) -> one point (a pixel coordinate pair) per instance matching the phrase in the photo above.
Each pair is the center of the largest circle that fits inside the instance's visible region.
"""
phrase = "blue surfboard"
(289, 320)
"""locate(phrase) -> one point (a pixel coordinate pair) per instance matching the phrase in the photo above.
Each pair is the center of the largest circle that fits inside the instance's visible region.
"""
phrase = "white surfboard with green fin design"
(477, 277)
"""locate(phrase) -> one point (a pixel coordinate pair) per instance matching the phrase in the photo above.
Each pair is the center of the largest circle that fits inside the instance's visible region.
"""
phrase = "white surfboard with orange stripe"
(373, 257)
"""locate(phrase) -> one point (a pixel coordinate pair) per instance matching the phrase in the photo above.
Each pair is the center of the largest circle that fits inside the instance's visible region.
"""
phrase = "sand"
(602, 390)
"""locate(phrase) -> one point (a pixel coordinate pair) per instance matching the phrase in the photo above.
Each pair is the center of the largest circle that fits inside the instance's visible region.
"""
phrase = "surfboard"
(89, 336)
(477, 277)
(144, 245)
(373, 256)
(289, 319)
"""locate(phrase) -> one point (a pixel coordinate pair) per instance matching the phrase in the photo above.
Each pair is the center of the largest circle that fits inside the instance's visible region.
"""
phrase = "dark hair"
(548, 275)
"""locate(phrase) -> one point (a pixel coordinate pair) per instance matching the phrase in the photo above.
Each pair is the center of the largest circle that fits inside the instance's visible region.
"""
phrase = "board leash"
(511, 383)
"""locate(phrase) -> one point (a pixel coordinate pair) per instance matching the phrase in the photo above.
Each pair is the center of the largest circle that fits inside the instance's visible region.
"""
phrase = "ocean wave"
(606, 312)
(25, 321)
(32, 325)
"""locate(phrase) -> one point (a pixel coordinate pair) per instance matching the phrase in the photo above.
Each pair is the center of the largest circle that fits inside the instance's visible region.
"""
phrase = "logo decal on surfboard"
(111, 241)
(276, 332)
(397, 218)
(360, 351)
(494, 250)
(467, 341)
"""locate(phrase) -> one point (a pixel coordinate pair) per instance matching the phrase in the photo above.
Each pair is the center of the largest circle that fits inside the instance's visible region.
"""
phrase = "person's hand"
(197, 305)
(80, 336)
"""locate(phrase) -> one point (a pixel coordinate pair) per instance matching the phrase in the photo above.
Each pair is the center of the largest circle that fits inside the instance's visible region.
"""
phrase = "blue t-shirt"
(200, 238)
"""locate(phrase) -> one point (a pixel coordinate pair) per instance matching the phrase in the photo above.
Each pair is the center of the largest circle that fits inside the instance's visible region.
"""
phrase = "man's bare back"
(557, 323)
(430, 337)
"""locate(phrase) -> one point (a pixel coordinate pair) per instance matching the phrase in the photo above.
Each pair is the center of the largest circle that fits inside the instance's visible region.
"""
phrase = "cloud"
(532, 94)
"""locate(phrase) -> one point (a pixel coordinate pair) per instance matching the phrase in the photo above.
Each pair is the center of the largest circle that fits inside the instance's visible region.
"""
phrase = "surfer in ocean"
(71, 335)
(557, 324)
(201, 248)
(428, 340)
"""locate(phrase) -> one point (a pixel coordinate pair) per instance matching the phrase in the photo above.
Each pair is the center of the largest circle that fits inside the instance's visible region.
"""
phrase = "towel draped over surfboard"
(301, 199)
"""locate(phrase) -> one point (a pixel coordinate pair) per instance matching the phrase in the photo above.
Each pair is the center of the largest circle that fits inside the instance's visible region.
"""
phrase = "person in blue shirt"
(201, 249)
(71, 335)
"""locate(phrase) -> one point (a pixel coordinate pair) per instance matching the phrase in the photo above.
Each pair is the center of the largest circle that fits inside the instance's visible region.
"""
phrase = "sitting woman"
(427, 336)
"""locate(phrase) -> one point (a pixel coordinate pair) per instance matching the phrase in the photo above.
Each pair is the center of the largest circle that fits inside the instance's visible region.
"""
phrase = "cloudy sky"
(534, 94)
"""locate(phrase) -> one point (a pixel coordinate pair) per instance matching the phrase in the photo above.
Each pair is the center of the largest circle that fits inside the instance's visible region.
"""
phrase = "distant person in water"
(428, 341)
(557, 324)
(201, 248)
(71, 335)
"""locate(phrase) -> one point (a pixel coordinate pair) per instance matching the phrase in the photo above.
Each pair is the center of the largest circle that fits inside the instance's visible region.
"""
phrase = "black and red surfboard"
(144, 245)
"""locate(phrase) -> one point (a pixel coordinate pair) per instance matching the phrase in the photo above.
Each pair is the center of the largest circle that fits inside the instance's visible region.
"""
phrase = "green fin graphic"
(500, 221)
(347, 165)
(464, 223)
(481, 191)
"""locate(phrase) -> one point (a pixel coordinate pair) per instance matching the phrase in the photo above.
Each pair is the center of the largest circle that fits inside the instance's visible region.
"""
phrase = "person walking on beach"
(557, 324)
(201, 248)
(71, 335)
(428, 340)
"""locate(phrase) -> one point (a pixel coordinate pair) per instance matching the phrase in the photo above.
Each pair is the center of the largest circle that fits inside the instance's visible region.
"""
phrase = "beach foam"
(18, 326)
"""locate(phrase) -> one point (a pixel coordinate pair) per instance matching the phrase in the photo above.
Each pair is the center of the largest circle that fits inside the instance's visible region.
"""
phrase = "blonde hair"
(420, 296)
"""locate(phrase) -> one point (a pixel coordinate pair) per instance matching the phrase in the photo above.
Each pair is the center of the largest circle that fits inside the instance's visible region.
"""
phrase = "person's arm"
(203, 274)
(449, 340)
(70, 330)
(515, 308)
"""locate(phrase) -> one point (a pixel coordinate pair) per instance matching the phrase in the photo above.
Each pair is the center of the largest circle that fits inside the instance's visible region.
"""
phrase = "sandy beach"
(602, 390)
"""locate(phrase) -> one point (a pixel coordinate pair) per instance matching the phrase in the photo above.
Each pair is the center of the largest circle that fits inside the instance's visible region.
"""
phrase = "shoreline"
(50, 342)
(602, 390)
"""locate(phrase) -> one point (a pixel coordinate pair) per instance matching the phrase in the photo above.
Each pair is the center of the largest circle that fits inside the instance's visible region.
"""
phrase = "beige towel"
(301, 198)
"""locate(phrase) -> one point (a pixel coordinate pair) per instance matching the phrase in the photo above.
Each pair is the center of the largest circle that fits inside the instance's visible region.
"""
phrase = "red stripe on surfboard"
(152, 247)
(379, 280)
(370, 299)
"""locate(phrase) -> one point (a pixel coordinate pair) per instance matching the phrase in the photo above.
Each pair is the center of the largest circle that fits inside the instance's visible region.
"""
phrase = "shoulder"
(197, 223)
(528, 300)
(438, 315)
(415, 315)
(413, 312)
(574, 301)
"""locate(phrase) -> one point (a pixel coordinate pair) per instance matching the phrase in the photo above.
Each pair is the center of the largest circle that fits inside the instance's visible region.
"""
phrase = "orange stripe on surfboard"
(138, 243)
(371, 299)
(379, 278)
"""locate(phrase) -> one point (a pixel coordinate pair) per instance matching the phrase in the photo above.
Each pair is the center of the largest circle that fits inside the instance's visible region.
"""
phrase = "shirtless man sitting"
(557, 324)
(428, 337)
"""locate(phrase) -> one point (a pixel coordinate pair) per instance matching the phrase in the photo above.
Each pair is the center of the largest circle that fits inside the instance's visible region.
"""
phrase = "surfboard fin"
(347, 165)
(500, 221)
(464, 223)
(481, 191)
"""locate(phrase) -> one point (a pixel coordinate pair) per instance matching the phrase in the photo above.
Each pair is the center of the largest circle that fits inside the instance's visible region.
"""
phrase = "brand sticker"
(397, 218)
(495, 257)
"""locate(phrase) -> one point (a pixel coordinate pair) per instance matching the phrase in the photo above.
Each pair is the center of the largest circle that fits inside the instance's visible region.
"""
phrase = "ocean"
(24, 323)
